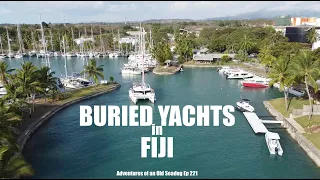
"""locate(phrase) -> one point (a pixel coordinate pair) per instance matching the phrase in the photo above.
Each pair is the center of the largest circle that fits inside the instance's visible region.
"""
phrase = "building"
(129, 39)
(210, 58)
(310, 21)
(297, 33)
(282, 21)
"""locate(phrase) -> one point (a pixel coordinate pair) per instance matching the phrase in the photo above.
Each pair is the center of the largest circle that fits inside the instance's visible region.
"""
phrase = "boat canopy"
(245, 99)
(272, 135)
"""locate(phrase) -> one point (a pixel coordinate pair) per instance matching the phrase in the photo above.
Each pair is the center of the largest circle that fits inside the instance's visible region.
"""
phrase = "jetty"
(257, 124)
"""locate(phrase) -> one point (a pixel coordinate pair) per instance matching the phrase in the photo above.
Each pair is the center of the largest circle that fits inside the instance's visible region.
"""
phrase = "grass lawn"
(294, 103)
(314, 138)
(305, 122)
(75, 94)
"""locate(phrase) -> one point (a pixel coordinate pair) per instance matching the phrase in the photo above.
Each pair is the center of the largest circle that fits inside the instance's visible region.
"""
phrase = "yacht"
(18, 56)
(223, 69)
(244, 105)
(56, 54)
(131, 70)
(3, 90)
(2, 56)
(71, 54)
(32, 53)
(239, 75)
(142, 91)
(272, 140)
(255, 82)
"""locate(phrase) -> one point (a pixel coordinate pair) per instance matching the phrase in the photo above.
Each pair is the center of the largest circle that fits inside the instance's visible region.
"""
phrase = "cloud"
(106, 11)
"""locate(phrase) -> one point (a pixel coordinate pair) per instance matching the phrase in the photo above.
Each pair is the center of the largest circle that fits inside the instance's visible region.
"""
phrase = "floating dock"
(255, 122)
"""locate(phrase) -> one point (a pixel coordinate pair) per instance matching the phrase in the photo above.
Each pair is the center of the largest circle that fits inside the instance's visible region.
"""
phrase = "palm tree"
(12, 163)
(47, 80)
(26, 80)
(93, 71)
(266, 58)
(4, 71)
(246, 44)
(307, 66)
(312, 36)
(281, 73)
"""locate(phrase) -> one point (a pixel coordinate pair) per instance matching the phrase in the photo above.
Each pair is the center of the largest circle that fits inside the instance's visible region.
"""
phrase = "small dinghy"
(244, 106)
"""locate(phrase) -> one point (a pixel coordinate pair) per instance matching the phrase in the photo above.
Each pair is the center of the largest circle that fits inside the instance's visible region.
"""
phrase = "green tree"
(281, 73)
(26, 80)
(161, 52)
(246, 44)
(266, 58)
(47, 81)
(307, 66)
(93, 71)
(4, 72)
(312, 36)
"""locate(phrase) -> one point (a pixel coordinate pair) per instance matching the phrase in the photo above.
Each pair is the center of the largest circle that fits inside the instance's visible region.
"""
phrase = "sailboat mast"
(72, 36)
(51, 41)
(142, 55)
(65, 59)
(85, 36)
(119, 41)
(92, 43)
(20, 49)
(9, 46)
(114, 43)
(33, 43)
(1, 45)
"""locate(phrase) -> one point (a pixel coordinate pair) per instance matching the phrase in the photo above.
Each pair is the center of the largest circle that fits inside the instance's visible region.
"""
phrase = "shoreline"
(296, 132)
(167, 73)
(32, 128)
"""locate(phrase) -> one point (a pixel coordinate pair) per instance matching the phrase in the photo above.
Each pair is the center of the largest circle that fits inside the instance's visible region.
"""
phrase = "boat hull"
(254, 85)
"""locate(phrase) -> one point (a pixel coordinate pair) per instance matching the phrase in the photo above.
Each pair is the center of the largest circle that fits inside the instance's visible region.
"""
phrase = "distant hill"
(267, 14)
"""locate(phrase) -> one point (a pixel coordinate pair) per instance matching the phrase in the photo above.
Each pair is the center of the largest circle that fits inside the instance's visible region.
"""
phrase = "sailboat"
(45, 59)
(142, 91)
(33, 52)
(9, 55)
(19, 54)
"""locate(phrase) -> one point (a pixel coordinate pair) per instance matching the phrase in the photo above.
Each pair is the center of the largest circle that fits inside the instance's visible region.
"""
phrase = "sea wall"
(296, 132)
(27, 134)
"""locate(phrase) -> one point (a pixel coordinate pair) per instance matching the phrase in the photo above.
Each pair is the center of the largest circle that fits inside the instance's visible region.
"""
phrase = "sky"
(18, 12)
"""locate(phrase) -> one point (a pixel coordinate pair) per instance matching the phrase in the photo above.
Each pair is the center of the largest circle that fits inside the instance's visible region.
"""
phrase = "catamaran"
(142, 91)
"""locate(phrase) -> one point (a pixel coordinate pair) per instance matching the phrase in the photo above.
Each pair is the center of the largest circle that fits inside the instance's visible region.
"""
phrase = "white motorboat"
(131, 70)
(239, 75)
(272, 140)
(244, 105)
(181, 70)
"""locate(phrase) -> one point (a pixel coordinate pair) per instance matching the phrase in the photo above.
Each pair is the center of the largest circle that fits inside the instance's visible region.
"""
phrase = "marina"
(99, 145)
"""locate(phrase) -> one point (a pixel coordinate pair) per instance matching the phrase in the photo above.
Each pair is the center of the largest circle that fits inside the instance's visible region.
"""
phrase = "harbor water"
(63, 149)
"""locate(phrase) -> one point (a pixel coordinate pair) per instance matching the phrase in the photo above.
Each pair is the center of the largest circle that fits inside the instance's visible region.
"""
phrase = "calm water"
(63, 149)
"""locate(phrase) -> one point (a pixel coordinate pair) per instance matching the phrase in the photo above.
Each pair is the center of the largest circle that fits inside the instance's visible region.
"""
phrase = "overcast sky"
(107, 11)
